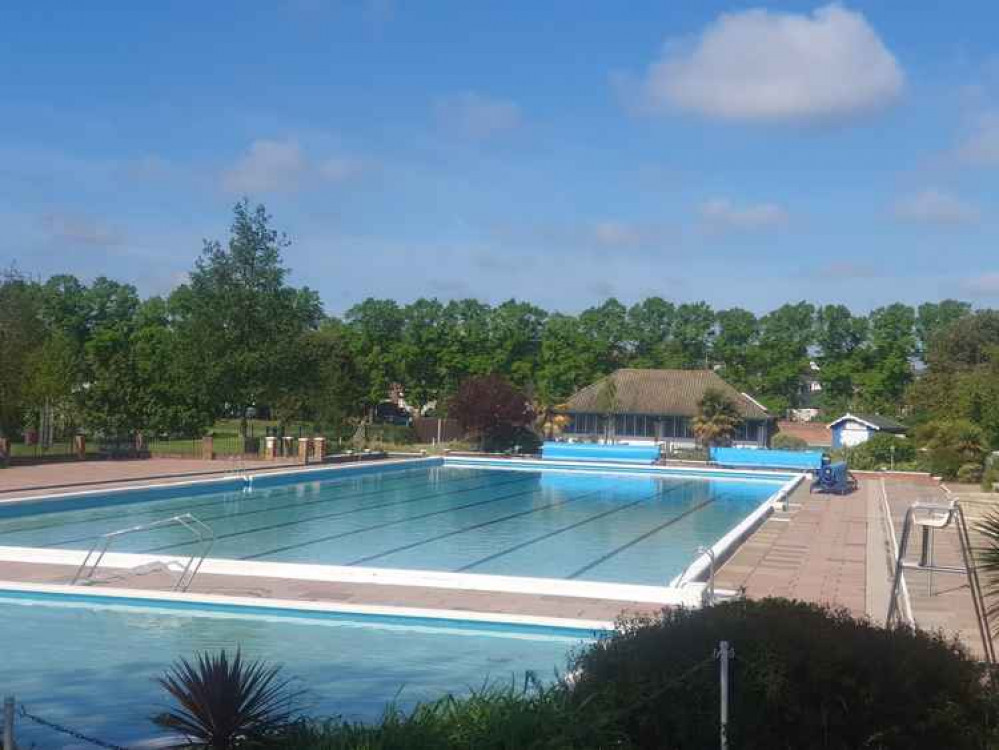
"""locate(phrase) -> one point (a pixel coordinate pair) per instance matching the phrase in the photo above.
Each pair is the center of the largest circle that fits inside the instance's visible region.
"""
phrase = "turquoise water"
(92, 667)
(573, 525)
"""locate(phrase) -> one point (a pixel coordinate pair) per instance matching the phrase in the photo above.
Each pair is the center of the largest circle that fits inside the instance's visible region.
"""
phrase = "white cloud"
(269, 166)
(932, 206)
(720, 214)
(339, 168)
(761, 65)
(476, 116)
(984, 285)
(616, 234)
(283, 166)
(81, 230)
(980, 146)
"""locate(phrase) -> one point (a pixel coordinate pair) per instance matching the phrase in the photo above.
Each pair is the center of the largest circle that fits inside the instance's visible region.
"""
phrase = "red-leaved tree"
(489, 408)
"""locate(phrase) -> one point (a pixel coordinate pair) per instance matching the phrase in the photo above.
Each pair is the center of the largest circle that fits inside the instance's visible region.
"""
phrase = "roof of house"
(874, 421)
(813, 433)
(671, 392)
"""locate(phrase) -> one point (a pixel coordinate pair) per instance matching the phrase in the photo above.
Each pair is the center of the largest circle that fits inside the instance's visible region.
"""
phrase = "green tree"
(240, 323)
(932, 317)
(650, 324)
(22, 334)
(736, 337)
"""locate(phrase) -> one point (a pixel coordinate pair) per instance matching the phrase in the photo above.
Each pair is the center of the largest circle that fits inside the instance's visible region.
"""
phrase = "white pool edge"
(433, 579)
(278, 605)
(670, 595)
(721, 550)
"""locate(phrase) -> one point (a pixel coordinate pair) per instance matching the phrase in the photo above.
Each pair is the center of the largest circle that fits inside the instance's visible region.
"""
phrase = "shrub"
(803, 677)
(876, 452)
(396, 434)
(494, 718)
(949, 444)
(970, 473)
(518, 439)
(990, 478)
(783, 442)
(490, 408)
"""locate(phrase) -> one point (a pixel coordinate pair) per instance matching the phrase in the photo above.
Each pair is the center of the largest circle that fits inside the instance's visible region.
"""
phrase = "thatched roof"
(669, 392)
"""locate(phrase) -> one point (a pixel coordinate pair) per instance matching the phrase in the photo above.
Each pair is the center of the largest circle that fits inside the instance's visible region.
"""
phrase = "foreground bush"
(496, 718)
(803, 677)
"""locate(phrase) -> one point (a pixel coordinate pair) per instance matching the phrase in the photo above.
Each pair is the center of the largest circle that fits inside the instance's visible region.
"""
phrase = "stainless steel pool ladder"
(203, 534)
(932, 517)
(237, 470)
(684, 578)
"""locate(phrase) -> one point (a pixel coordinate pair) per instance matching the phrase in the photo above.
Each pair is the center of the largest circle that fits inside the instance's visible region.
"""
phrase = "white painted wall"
(853, 433)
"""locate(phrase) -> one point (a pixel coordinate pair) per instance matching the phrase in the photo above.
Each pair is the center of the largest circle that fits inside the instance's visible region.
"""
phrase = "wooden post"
(80, 446)
(208, 447)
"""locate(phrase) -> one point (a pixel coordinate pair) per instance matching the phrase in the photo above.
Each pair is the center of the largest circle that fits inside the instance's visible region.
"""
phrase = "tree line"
(238, 335)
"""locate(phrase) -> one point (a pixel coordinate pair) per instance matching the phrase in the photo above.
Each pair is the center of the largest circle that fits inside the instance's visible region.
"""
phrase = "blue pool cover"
(632, 454)
(769, 459)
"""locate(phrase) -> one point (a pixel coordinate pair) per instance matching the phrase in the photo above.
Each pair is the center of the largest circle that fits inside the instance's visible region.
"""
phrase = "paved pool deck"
(838, 551)
(826, 549)
(78, 476)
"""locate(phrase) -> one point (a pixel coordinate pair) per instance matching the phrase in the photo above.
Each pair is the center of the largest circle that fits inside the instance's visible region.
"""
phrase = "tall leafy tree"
(737, 332)
(240, 322)
(22, 333)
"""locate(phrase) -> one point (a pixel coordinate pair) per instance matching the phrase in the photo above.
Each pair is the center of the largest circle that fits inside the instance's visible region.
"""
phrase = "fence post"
(270, 447)
(208, 447)
(80, 446)
(724, 654)
(319, 449)
(4, 451)
(8, 723)
(303, 450)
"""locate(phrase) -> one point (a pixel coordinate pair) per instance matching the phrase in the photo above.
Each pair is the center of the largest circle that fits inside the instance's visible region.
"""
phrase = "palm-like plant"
(225, 702)
(988, 559)
(716, 420)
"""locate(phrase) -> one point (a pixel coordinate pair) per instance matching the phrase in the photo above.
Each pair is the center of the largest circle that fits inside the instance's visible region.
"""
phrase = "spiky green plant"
(988, 561)
(224, 702)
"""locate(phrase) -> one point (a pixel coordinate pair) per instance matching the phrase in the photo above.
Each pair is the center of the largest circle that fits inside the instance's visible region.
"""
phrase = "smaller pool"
(90, 662)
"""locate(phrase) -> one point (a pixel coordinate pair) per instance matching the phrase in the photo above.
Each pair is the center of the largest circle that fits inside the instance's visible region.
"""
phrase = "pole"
(724, 653)
(8, 723)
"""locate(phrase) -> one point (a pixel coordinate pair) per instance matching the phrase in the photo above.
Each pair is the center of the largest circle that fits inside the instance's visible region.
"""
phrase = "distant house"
(657, 406)
(854, 429)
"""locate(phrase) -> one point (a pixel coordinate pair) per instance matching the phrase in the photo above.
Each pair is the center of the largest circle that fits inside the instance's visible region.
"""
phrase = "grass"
(525, 716)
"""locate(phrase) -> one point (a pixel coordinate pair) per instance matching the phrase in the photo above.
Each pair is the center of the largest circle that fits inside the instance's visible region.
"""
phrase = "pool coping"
(292, 607)
(687, 589)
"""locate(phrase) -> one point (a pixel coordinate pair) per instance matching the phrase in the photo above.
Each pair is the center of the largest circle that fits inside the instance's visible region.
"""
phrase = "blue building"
(854, 429)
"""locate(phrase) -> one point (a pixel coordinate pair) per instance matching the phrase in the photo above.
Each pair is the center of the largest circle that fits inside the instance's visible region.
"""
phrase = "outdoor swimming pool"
(613, 526)
(90, 663)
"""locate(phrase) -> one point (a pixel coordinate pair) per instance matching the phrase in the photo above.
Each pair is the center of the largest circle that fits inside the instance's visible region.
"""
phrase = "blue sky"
(559, 152)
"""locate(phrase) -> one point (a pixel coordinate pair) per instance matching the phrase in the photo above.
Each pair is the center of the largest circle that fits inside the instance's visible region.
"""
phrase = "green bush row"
(802, 677)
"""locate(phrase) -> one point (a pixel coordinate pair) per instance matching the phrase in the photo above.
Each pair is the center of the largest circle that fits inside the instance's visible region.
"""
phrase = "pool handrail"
(203, 533)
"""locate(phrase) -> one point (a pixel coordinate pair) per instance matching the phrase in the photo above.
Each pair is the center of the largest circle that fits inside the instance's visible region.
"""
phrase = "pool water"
(92, 666)
(573, 525)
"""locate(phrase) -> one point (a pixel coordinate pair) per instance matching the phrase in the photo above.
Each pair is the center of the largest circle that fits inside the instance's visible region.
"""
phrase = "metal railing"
(932, 517)
(203, 534)
(684, 578)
